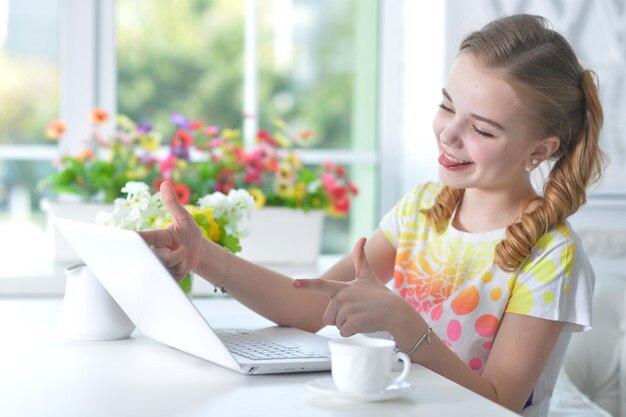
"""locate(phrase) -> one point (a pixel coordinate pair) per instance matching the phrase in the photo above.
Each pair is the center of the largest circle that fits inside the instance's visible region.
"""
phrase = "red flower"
(225, 180)
(182, 192)
(183, 138)
(265, 137)
(195, 125)
(340, 200)
(352, 188)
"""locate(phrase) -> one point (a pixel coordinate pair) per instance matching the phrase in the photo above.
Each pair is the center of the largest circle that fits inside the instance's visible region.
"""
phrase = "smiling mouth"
(451, 162)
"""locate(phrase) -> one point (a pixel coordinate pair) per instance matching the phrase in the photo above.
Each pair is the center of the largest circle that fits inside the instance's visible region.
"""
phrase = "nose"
(450, 135)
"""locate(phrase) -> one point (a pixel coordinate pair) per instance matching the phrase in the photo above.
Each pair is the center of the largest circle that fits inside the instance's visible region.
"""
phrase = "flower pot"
(61, 249)
(283, 236)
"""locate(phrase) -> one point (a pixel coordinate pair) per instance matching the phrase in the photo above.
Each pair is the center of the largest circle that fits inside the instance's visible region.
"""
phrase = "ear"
(546, 148)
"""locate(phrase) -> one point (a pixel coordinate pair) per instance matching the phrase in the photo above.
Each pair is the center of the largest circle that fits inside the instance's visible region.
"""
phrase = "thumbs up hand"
(179, 245)
(362, 305)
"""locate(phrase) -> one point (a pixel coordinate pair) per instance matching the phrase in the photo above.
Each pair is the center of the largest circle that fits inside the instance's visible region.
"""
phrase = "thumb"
(320, 285)
(361, 265)
(179, 213)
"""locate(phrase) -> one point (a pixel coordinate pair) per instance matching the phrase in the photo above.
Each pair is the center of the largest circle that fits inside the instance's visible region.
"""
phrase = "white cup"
(361, 364)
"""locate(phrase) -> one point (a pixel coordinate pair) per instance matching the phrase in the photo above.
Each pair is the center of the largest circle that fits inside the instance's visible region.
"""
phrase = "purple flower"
(144, 128)
(179, 120)
(180, 152)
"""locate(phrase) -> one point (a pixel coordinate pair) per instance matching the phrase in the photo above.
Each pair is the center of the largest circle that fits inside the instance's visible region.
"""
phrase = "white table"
(44, 375)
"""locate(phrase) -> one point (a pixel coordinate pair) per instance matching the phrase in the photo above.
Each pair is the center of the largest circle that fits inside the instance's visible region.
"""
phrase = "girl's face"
(482, 134)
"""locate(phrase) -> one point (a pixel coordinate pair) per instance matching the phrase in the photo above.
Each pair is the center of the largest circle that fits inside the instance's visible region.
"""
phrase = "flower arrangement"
(202, 159)
(99, 170)
(222, 218)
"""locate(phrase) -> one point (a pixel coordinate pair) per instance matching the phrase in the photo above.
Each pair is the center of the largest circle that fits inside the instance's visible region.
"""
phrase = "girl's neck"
(485, 211)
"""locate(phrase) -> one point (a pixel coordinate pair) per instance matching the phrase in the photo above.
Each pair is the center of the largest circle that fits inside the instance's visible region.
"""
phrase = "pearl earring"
(533, 162)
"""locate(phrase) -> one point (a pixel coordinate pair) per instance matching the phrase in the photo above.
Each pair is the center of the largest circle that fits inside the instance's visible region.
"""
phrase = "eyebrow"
(474, 115)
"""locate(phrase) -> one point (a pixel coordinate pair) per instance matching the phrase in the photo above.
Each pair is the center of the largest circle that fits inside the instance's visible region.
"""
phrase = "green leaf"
(185, 284)
(231, 243)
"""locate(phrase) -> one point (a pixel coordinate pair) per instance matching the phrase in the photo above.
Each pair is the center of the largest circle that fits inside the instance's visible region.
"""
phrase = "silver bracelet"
(426, 336)
(220, 286)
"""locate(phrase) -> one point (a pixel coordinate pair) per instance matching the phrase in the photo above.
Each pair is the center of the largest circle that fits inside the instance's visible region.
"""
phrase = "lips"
(449, 161)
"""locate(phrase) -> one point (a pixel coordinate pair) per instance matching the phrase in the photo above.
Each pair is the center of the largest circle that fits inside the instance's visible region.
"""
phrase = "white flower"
(142, 211)
(217, 202)
(136, 187)
(241, 199)
(105, 218)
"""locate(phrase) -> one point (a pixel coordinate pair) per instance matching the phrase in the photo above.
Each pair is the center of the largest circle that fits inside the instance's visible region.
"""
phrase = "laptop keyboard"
(253, 346)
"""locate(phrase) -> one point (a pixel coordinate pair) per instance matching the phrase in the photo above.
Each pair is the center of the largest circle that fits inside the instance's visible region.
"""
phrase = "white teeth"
(458, 161)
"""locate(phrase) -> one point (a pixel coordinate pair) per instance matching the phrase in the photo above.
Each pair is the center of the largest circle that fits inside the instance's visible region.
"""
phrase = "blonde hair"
(563, 101)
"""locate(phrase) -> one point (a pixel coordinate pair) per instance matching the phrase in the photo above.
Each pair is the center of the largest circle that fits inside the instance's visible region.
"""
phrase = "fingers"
(323, 286)
(179, 213)
(157, 237)
(174, 261)
(330, 315)
(361, 265)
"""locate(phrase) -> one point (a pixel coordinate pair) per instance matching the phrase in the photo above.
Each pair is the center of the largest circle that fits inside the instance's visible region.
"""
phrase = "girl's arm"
(272, 294)
(182, 248)
(518, 356)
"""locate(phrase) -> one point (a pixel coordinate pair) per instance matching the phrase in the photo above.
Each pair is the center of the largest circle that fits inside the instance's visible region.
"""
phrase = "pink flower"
(211, 130)
(167, 165)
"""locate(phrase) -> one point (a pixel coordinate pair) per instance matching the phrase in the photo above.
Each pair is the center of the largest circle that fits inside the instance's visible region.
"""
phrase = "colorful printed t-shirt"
(452, 281)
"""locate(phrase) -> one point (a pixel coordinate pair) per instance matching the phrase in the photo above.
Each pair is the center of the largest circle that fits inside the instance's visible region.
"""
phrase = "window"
(315, 66)
(190, 58)
(29, 81)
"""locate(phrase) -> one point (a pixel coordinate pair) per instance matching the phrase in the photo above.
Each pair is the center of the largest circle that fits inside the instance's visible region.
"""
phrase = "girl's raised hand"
(179, 244)
(363, 305)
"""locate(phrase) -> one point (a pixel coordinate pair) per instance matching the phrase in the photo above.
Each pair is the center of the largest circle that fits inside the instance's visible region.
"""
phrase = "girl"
(489, 279)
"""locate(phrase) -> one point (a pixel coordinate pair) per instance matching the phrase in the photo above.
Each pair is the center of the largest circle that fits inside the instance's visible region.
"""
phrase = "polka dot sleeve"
(555, 282)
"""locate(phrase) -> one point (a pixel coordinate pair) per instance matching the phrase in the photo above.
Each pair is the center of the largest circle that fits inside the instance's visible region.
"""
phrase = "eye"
(446, 108)
(481, 132)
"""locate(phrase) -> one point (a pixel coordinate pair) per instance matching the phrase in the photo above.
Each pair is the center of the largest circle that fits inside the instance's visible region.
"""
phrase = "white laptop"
(145, 290)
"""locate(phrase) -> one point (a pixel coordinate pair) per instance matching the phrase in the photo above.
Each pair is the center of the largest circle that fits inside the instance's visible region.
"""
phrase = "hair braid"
(441, 211)
(566, 189)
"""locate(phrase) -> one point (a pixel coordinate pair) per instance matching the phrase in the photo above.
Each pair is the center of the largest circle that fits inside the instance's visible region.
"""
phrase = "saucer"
(327, 386)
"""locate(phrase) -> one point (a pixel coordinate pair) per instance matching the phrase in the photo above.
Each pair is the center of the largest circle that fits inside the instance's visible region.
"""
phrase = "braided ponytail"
(541, 65)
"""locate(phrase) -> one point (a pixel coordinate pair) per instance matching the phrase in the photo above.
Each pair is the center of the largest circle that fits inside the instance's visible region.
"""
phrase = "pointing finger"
(323, 286)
